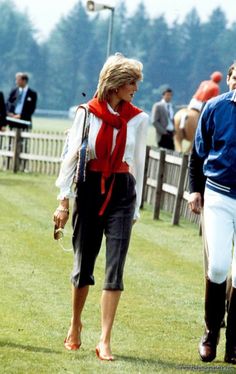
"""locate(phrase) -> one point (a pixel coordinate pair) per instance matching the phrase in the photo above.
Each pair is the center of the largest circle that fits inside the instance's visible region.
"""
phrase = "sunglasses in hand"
(58, 232)
(58, 235)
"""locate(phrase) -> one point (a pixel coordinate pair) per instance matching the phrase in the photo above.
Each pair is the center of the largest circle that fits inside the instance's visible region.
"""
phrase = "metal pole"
(110, 33)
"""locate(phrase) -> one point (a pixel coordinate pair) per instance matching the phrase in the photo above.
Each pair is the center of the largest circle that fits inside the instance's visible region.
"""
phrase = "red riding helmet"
(216, 76)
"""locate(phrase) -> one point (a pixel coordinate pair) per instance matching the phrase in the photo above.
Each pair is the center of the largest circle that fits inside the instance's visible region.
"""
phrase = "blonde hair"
(116, 72)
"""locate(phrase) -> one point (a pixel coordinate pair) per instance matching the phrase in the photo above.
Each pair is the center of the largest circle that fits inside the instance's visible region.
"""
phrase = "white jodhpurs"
(220, 230)
(195, 104)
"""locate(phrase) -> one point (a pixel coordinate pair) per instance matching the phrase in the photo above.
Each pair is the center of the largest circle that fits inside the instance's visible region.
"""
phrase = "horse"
(188, 130)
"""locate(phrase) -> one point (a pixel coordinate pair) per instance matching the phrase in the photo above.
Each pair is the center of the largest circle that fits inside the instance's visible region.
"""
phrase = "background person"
(162, 119)
(22, 100)
(215, 134)
(108, 201)
(206, 90)
(2, 111)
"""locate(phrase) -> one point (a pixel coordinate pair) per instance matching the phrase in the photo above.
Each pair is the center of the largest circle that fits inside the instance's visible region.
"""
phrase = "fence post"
(160, 175)
(180, 190)
(145, 175)
(17, 150)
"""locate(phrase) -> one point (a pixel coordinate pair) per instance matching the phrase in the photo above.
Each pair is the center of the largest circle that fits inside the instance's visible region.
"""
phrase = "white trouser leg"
(219, 218)
(234, 260)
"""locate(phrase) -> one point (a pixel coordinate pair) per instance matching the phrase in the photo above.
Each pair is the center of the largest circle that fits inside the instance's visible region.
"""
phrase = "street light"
(92, 6)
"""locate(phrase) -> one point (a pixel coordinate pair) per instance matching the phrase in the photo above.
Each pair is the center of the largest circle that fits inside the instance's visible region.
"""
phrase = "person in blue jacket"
(215, 146)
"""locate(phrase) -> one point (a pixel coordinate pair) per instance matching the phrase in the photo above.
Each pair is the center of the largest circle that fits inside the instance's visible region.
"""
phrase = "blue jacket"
(215, 141)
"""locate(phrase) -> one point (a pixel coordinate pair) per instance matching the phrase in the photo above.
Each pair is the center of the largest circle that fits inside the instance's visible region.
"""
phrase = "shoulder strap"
(86, 123)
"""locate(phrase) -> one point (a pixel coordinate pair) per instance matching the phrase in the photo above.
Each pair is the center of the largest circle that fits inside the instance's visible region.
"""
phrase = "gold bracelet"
(66, 210)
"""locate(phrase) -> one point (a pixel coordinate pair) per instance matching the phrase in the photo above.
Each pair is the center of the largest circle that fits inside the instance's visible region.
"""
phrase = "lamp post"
(93, 6)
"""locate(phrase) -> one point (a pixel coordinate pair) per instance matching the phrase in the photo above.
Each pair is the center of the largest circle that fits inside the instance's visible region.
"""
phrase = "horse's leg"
(189, 148)
(178, 138)
(183, 119)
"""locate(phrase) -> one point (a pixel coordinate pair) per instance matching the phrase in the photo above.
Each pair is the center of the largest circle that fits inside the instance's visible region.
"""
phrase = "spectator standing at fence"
(108, 201)
(212, 168)
(2, 111)
(22, 100)
(162, 119)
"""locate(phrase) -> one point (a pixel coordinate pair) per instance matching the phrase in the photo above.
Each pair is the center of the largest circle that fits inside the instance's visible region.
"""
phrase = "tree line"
(66, 65)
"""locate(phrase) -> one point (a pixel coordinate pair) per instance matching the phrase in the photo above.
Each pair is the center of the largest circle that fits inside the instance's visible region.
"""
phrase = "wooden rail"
(34, 152)
(165, 178)
(166, 184)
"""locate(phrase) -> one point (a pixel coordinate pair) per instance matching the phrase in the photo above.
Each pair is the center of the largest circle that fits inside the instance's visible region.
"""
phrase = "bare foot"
(103, 352)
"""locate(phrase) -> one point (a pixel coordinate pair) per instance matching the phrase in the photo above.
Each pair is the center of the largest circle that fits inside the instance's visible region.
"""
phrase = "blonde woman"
(108, 201)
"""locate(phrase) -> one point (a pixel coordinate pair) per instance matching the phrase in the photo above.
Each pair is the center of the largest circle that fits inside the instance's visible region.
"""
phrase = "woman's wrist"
(63, 206)
(64, 210)
(64, 203)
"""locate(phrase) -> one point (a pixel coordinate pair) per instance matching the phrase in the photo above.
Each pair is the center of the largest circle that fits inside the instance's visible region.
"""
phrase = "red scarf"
(103, 146)
(110, 163)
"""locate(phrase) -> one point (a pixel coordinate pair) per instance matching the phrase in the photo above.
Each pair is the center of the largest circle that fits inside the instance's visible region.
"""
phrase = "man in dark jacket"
(22, 100)
(2, 111)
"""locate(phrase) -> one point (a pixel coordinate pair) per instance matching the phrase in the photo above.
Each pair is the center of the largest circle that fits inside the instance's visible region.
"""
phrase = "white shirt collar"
(23, 89)
(234, 96)
(112, 110)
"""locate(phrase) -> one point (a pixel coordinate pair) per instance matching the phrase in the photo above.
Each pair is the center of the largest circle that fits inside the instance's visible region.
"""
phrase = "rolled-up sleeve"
(66, 175)
(139, 158)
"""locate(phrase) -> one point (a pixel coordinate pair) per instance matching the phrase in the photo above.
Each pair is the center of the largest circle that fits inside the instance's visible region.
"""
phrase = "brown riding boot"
(230, 349)
(214, 314)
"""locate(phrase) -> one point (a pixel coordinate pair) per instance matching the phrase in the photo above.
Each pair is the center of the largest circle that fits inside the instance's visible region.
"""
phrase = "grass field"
(160, 316)
(51, 124)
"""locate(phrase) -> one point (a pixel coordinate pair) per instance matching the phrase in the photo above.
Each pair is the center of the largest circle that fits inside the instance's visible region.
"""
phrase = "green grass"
(51, 124)
(160, 316)
(42, 124)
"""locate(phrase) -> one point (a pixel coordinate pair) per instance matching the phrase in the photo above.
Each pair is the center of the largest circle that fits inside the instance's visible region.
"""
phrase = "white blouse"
(134, 154)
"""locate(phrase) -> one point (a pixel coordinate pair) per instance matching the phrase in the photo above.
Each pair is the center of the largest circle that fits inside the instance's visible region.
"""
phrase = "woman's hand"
(61, 214)
(60, 218)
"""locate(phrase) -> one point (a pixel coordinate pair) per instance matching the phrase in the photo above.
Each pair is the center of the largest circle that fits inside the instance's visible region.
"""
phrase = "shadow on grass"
(28, 347)
(210, 368)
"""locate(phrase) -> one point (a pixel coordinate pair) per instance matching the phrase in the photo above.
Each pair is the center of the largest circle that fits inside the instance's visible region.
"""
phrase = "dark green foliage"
(67, 64)
(19, 50)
